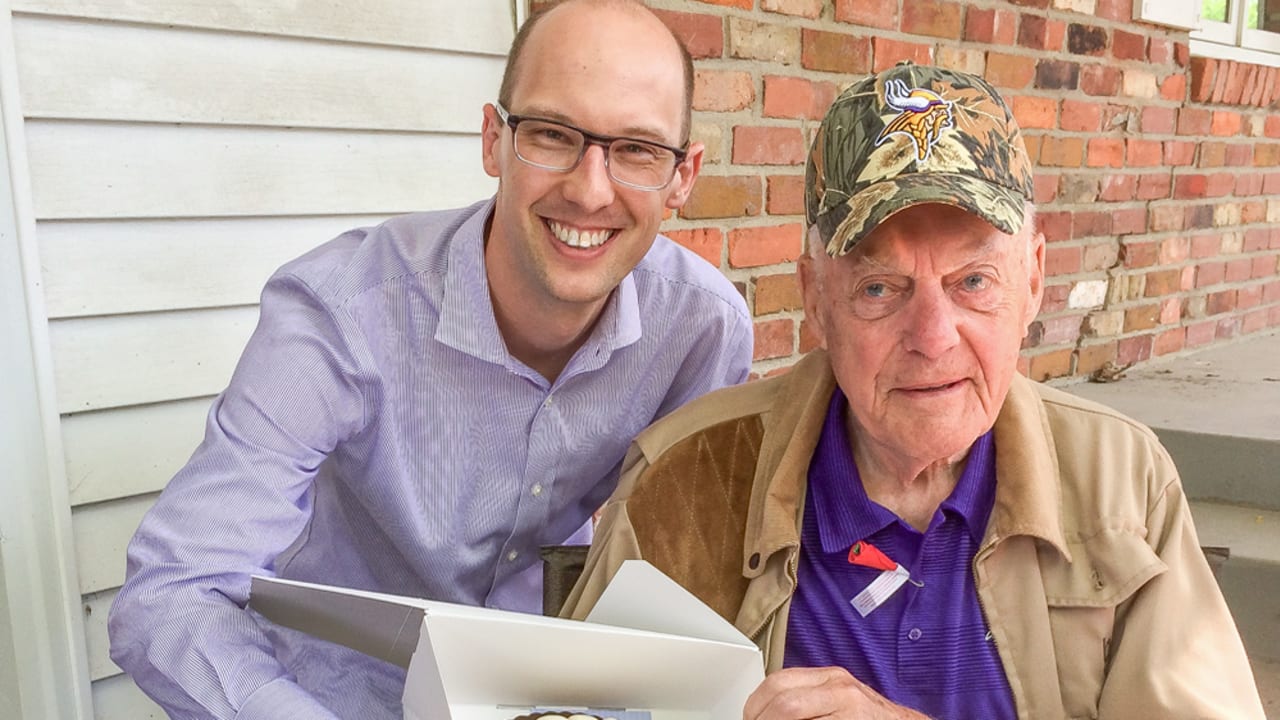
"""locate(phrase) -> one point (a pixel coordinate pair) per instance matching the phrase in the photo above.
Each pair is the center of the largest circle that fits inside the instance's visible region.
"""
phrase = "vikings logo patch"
(923, 115)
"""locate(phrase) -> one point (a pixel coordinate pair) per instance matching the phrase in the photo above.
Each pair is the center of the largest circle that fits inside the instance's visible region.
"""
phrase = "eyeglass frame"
(604, 142)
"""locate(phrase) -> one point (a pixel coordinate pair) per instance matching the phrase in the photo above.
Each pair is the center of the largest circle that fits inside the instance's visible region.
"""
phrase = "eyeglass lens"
(557, 147)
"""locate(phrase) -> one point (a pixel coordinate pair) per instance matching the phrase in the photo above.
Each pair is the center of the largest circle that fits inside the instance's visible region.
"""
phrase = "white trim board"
(41, 602)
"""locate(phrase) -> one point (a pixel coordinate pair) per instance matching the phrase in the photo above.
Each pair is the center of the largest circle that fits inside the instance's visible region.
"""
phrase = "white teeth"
(574, 237)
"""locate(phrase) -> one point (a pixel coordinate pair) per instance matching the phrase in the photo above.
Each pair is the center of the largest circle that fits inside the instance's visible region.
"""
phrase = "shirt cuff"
(283, 698)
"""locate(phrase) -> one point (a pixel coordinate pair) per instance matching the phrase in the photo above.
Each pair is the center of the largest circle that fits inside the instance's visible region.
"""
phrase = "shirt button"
(513, 555)
(547, 402)
(536, 489)
(914, 634)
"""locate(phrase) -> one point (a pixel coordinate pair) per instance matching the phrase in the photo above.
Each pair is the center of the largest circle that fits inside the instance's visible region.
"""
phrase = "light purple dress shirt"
(377, 435)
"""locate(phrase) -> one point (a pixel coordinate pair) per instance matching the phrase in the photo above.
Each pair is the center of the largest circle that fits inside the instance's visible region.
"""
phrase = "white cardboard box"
(648, 645)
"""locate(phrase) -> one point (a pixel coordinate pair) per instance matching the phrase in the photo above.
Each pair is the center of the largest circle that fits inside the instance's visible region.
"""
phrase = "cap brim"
(1002, 207)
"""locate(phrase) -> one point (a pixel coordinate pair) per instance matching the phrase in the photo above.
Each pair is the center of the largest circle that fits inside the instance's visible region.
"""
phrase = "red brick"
(785, 195)
(1271, 127)
(1165, 218)
(1056, 225)
(1138, 254)
(1225, 123)
(1203, 246)
(1181, 53)
(1129, 221)
(792, 97)
(1190, 186)
(1193, 121)
(870, 13)
(1062, 151)
(1169, 341)
(1159, 120)
(1091, 224)
(1200, 334)
(1051, 365)
(1034, 112)
(1100, 80)
(722, 90)
(774, 339)
(802, 8)
(1154, 186)
(775, 293)
(1105, 152)
(992, 27)
(936, 18)
(768, 145)
(1143, 153)
(1220, 184)
(1133, 349)
(1061, 260)
(719, 196)
(1128, 46)
(1236, 80)
(1210, 274)
(1212, 154)
(1041, 33)
(1203, 74)
(1121, 10)
(1118, 188)
(1239, 155)
(1254, 321)
(743, 4)
(1267, 155)
(1220, 302)
(1263, 266)
(1010, 71)
(1081, 116)
(757, 246)
(1174, 250)
(1160, 50)
(1179, 153)
(887, 52)
(1142, 317)
(1045, 188)
(1174, 87)
(834, 52)
(1256, 239)
(702, 35)
(705, 242)
(1249, 297)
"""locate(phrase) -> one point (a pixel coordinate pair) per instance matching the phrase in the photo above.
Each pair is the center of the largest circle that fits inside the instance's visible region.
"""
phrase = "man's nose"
(931, 322)
(589, 185)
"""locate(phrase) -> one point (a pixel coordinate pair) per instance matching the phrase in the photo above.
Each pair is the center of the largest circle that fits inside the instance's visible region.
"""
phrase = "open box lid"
(648, 644)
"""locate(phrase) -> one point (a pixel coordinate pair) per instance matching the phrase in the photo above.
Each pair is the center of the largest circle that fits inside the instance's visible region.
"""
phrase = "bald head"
(616, 11)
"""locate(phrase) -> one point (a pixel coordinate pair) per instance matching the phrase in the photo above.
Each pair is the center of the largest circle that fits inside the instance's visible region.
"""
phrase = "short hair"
(522, 36)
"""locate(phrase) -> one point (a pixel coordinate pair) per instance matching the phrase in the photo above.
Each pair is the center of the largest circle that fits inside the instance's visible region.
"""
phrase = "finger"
(798, 681)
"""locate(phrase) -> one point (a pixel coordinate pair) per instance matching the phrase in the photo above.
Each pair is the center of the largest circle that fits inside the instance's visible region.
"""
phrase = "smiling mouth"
(924, 389)
(578, 237)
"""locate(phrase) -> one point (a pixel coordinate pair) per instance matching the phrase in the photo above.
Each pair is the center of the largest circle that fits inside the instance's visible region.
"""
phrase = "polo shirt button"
(511, 556)
(914, 634)
(754, 561)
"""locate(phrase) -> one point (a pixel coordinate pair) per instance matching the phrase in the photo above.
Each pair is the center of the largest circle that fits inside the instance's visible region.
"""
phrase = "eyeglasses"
(555, 146)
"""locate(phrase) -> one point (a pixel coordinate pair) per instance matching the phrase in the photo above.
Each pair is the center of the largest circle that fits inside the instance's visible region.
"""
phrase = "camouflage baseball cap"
(914, 134)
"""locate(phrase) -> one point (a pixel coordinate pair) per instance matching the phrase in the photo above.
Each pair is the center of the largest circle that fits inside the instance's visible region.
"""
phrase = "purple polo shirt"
(926, 647)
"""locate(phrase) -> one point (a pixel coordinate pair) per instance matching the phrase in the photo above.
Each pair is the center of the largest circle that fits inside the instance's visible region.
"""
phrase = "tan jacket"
(1093, 583)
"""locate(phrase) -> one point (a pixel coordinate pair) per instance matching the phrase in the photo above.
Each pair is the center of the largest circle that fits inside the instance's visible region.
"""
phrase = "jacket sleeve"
(1176, 652)
(179, 625)
(614, 542)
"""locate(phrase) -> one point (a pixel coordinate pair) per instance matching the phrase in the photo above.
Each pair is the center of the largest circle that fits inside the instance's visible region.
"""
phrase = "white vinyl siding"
(178, 151)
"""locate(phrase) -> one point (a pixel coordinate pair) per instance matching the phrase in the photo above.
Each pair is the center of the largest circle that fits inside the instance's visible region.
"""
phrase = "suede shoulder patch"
(689, 510)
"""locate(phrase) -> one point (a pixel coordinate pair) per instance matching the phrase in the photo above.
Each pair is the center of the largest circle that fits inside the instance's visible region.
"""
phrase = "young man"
(426, 403)
(907, 527)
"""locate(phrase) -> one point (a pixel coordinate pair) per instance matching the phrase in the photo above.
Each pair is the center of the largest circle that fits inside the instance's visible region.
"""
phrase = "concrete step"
(1250, 581)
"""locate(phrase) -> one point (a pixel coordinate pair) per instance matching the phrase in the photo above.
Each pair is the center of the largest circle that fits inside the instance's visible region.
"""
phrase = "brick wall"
(1158, 174)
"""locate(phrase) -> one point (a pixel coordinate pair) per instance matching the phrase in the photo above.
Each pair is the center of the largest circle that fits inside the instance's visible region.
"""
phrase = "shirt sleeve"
(179, 625)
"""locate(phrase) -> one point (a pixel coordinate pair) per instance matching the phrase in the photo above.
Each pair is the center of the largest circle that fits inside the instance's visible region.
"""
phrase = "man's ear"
(686, 172)
(491, 140)
(811, 293)
(1035, 277)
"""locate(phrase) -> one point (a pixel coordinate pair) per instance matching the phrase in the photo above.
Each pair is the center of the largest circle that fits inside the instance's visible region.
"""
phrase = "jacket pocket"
(1107, 568)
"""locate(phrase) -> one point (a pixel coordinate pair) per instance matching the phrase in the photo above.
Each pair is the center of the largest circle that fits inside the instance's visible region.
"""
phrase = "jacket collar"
(1027, 498)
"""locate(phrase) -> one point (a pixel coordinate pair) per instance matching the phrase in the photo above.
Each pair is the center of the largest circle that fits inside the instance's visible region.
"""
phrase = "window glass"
(1215, 10)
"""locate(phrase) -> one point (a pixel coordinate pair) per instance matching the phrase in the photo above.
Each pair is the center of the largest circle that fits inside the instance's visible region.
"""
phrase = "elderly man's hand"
(829, 692)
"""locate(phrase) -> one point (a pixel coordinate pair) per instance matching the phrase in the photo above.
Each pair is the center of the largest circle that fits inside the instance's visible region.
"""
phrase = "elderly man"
(906, 526)
(427, 402)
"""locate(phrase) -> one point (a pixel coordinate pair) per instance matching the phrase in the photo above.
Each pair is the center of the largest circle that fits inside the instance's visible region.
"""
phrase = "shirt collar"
(844, 512)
